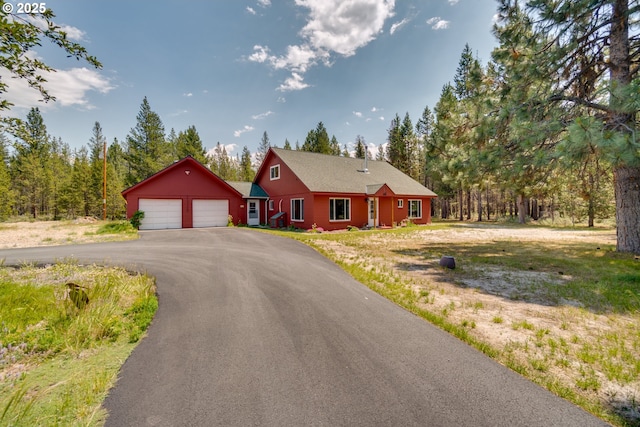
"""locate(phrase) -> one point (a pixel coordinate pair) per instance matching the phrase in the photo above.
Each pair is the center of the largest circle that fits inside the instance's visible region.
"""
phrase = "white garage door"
(160, 213)
(210, 213)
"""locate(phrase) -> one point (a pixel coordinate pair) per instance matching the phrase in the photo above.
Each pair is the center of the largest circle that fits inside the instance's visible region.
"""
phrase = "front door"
(253, 212)
(373, 212)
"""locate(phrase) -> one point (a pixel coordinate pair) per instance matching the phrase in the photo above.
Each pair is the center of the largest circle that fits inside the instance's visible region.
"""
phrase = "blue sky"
(236, 68)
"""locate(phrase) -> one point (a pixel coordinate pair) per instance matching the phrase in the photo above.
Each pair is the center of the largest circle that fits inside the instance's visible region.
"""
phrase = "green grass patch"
(59, 361)
(117, 227)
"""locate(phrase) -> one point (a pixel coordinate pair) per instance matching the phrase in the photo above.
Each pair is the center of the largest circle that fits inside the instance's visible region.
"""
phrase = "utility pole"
(104, 181)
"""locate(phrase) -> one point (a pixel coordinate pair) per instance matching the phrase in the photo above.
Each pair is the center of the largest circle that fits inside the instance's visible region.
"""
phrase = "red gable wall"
(186, 180)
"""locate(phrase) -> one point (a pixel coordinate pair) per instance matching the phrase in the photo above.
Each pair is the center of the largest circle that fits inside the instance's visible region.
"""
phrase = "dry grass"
(559, 306)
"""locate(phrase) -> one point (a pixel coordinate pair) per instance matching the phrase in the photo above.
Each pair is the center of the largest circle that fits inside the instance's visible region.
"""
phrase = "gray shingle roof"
(335, 174)
(248, 189)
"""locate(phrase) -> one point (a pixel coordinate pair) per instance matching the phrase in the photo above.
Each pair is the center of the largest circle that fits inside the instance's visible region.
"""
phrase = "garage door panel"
(210, 213)
(160, 213)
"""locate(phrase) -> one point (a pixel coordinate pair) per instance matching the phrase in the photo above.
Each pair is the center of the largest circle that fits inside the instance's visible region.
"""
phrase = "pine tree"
(246, 170)
(188, 143)
(263, 148)
(31, 175)
(116, 175)
(360, 152)
(317, 141)
(287, 145)
(96, 155)
(147, 152)
(6, 192)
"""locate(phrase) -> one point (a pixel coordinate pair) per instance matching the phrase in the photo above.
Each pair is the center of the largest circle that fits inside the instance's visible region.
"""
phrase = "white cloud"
(69, 87)
(397, 25)
(179, 113)
(381, 118)
(73, 33)
(245, 129)
(262, 115)
(453, 2)
(438, 23)
(281, 100)
(264, 3)
(333, 26)
(260, 54)
(188, 95)
(357, 113)
(295, 82)
(251, 10)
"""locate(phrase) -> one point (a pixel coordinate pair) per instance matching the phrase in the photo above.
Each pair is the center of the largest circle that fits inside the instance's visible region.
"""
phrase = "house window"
(415, 208)
(274, 172)
(400, 203)
(271, 207)
(339, 209)
(297, 209)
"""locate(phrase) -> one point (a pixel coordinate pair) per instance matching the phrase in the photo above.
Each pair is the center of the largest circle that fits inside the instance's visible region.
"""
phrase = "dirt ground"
(49, 233)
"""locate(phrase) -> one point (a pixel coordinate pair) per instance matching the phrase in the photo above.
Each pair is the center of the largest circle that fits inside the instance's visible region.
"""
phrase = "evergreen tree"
(589, 46)
(287, 145)
(31, 175)
(263, 148)
(147, 152)
(96, 155)
(6, 192)
(360, 151)
(317, 141)
(188, 143)
(246, 170)
(335, 146)
(116, 176)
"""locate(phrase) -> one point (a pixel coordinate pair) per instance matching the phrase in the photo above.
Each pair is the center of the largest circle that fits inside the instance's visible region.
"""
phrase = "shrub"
(136, 219)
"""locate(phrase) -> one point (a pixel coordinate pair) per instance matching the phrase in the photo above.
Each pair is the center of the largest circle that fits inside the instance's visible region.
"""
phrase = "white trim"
(420, 208)
(271, 205)
(301, 219)
(348, 218)
(274, 176)
(400, 203)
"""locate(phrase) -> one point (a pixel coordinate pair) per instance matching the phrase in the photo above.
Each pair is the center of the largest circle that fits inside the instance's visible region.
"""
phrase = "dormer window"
(274, 172)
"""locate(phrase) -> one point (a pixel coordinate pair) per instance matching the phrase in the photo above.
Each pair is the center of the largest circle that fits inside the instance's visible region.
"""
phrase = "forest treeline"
(546, 127)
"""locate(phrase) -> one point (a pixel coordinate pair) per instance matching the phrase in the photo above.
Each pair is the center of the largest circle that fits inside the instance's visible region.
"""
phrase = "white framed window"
(400, 203)
(271, 205)
(415, 208)
(339, 209)
(274, 172)
(297, 209)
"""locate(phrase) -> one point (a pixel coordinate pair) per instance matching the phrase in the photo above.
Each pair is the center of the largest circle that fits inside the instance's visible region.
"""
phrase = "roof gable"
(188, 162)
(336, 174)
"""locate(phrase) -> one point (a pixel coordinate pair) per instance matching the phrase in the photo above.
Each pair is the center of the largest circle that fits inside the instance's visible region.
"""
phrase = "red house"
(187, 194)
(333, 192)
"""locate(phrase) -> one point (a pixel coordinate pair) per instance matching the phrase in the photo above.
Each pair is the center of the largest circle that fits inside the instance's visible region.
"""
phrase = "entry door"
(253, 212)
(373, 212)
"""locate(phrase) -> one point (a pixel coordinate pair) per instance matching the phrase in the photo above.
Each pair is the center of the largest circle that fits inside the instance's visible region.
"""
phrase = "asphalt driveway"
(254, 329)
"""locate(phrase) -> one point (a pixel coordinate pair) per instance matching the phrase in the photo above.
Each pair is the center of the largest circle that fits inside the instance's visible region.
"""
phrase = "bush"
(136, 219)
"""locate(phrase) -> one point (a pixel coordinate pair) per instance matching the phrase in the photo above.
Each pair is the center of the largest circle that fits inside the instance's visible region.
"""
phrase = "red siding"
(186, 180)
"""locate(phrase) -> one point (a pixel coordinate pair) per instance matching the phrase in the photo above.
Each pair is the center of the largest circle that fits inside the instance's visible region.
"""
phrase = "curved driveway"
(254, 329)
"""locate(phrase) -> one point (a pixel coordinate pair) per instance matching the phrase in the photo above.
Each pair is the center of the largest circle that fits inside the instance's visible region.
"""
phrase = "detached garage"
(185, 195)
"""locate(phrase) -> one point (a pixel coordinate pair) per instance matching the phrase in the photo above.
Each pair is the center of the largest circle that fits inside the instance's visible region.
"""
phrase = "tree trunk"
(627, 189)
(626, 178)
(534, 209)
(460, 204)
(468, 204)
(522, 210)
(479, 205)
